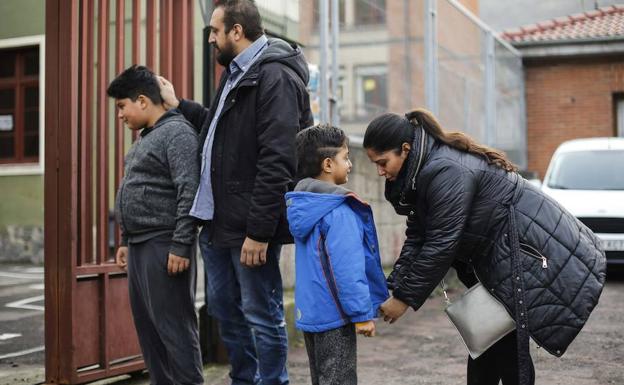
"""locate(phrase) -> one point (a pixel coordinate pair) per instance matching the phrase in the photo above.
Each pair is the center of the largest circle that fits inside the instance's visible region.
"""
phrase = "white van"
(587, 177)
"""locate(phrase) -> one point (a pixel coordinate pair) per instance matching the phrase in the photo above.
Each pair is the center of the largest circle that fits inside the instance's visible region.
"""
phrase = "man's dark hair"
(243, 12)
(134, 81)
(315, 144)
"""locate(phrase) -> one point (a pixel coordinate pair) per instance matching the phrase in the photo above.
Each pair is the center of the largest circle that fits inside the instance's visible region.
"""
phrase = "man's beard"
(225, 55)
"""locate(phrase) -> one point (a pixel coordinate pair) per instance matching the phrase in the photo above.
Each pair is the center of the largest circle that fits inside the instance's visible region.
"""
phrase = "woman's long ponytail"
(459, 140)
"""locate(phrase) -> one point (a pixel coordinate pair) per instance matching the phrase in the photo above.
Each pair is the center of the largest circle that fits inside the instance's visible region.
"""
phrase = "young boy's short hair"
(134, 81)
(316, 143)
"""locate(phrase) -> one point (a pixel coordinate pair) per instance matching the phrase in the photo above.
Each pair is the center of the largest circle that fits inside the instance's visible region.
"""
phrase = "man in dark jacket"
(248, 163)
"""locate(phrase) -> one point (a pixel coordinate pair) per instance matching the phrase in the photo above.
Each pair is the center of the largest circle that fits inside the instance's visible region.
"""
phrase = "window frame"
(357, 22)
(359, 73)
(32, 168)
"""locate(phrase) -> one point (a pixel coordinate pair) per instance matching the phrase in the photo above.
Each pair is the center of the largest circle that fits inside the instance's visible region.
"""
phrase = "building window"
(19, 105)
(370, 12)
(371, 90)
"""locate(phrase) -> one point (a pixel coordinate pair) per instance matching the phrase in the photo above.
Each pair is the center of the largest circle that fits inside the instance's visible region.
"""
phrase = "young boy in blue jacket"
(339, 280)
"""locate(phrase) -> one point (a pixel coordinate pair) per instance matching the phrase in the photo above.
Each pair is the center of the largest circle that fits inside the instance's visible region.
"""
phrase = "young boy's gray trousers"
(333, 356)
(163, 308)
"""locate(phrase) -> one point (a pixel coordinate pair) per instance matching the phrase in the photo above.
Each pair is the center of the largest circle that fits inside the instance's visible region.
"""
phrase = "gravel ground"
(424, 348)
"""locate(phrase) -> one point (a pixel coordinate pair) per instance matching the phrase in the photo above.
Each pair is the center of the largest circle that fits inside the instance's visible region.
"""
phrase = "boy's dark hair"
(316, 143)
(243, 12)
(134, 81)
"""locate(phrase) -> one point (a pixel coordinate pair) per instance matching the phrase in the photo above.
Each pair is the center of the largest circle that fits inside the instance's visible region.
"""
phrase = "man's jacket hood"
(290, 55)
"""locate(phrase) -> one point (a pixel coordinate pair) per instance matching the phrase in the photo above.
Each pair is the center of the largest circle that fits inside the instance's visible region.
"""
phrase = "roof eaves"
(525, 34)
(588, 40)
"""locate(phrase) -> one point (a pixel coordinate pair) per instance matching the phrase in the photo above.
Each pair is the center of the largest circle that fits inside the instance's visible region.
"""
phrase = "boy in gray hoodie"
(158, 234)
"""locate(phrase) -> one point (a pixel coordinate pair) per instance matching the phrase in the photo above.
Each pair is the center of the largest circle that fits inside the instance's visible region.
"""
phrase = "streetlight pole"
(324, 50)
(335, 109)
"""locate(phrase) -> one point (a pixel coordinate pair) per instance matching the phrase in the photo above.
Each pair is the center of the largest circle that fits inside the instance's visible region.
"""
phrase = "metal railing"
(477, 83)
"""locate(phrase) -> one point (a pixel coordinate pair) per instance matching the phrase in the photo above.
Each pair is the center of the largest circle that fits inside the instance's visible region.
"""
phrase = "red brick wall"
(569, 99)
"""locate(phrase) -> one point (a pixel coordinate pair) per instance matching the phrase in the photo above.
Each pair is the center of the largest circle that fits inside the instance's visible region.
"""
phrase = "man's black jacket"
(253, 153)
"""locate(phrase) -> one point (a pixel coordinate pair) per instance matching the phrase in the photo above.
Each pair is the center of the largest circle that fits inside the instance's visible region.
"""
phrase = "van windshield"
(588, 170)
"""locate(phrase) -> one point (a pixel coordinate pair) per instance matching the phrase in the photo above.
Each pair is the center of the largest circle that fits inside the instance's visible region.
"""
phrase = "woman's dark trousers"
(500, 362)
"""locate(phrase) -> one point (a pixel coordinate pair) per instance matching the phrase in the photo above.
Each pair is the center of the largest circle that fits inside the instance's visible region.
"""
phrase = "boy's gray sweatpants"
(163, 308)
(333, 356)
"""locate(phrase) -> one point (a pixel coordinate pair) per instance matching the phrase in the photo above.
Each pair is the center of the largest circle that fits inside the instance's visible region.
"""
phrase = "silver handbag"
(479, 318)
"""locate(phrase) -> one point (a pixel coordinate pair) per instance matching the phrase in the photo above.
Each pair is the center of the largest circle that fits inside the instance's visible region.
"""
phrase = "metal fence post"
(431, 56)
(324, 70)
(524, 140)
(490, 90)
(335, 106)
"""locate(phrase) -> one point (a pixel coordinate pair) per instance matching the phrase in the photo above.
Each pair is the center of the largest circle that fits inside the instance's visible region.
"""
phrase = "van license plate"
(613, 244)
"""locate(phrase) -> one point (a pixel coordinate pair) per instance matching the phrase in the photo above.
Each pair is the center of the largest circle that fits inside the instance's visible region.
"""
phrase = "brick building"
(382, 69)
(574, 79)
(382, 53)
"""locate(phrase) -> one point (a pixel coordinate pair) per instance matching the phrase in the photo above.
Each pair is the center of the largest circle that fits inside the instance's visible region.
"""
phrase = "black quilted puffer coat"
(544, 265)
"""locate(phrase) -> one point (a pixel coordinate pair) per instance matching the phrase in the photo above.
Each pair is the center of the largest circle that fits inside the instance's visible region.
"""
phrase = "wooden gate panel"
(121, 344)
(89, 328)
(86, 322)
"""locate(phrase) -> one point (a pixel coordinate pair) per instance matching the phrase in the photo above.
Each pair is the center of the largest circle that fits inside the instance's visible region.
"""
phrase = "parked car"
(587, 177)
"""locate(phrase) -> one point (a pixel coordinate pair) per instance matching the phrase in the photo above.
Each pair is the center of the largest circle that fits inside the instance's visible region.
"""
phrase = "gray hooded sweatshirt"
(158, 188)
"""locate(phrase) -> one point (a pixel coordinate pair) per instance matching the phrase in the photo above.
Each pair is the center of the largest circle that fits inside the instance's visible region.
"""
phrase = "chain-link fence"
(479, 88)
(396, 55)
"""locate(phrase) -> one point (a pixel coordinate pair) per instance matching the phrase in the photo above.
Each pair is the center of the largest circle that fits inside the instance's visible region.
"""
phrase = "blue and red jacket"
(339, 278)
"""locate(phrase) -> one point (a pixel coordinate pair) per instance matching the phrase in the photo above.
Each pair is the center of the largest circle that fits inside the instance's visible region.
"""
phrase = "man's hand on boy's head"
(176, 264)
(253, 253)
(121, 257)
(168, 93)
(366, 328)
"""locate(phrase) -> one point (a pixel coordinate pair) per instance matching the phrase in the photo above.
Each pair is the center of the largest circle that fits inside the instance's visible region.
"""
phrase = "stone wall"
(21, 244)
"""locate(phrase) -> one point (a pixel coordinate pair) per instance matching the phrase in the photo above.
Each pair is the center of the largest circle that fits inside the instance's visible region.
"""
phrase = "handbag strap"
(444, 287)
